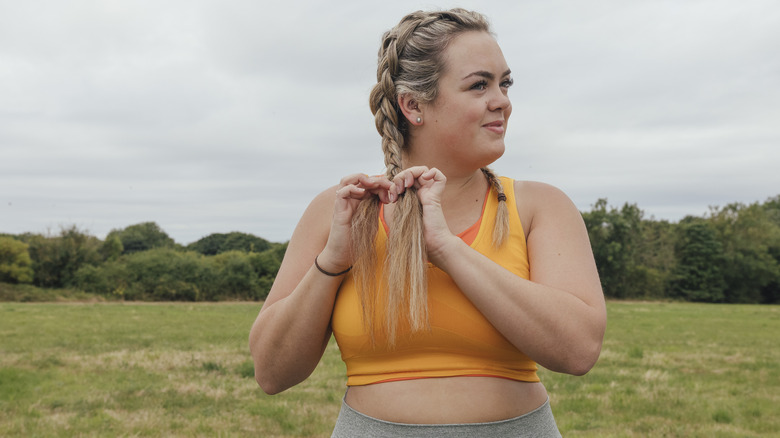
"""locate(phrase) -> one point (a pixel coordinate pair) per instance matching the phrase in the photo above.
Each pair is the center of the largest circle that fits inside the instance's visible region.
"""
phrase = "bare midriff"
(447, 400)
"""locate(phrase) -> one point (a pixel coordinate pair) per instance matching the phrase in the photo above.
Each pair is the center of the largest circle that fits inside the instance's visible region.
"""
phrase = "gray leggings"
(538, 423)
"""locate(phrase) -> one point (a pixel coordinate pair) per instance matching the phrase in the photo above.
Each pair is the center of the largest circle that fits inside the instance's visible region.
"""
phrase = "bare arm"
(290, 333)
(558, 317)
(292, 329)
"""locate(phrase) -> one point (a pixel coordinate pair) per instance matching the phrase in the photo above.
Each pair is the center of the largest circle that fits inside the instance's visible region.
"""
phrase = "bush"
(141, 237)
(15, 262)
(266, 265)
(56, 259)
(109, 279)
(235, 276)
(218, 243)
(167, 275)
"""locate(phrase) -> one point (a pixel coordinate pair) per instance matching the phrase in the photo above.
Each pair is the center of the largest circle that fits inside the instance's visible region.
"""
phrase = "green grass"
(135, 369)
(27, 293)
(677, 370)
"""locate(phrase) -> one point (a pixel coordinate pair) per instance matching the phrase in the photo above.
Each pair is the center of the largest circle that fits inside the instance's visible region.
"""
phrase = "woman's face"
(469, 117)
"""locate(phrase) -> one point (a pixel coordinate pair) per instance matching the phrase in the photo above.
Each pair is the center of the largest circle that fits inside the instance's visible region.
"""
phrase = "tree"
(56, 259)
(770, 293)
(654, 258)
(217, 243)
(15, 262)
(142, 237)
(266, 265)
(614, 236)
(772, 207)
(698, 275)
(235, 276)
(750, 235)
(112, 248)
(163, 274)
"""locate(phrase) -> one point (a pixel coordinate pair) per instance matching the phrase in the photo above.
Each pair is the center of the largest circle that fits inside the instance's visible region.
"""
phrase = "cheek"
(455, 118)
(470, 118)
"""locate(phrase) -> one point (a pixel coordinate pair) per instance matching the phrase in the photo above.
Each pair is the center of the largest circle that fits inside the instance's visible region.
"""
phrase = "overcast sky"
(219, 116)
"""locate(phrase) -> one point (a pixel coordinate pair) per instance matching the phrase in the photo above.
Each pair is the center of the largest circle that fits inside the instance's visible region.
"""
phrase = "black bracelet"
(331, 274)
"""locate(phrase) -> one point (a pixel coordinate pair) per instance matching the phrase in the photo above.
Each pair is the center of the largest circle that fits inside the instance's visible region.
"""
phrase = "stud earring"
(419, 120)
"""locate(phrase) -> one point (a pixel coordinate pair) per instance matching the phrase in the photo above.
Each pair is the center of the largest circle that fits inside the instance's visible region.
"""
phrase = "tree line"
(730, 255)
(141, 262)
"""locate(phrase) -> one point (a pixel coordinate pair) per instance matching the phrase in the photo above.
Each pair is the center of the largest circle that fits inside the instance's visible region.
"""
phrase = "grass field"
(160, 370)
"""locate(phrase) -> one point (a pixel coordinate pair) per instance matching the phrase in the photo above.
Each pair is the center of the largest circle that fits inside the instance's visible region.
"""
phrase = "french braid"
(409, 63)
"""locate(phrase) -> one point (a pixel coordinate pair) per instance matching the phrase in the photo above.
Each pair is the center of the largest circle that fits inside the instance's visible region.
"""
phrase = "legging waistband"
(538, 423)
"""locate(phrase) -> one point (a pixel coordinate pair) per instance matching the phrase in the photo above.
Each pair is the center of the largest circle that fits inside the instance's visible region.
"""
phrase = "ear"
(411, 109)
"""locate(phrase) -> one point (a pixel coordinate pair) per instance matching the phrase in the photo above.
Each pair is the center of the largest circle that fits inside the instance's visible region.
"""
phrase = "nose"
(498, 100)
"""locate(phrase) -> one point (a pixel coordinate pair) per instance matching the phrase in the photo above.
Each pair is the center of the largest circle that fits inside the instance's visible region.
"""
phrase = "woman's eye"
(481, 85)
(507, 83)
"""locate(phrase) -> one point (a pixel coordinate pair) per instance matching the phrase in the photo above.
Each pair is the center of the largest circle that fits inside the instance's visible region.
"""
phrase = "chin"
(485, 163)
(493, 155)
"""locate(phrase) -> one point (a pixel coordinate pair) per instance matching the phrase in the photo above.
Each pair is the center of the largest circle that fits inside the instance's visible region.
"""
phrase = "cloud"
(213, 116)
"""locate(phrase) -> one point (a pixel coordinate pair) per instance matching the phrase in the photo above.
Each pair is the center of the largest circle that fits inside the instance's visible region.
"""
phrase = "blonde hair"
(410, 62)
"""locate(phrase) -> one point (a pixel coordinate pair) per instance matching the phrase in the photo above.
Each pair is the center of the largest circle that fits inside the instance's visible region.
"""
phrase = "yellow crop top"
(461, 341)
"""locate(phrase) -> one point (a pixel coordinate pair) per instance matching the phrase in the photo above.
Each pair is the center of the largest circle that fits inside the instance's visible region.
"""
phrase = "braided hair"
(410, 63)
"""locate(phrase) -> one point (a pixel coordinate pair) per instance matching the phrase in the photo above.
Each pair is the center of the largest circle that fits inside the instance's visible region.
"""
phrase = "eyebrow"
(486, 74)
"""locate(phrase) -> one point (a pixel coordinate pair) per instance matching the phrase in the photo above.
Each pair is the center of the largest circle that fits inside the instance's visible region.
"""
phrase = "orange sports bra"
(461, 341)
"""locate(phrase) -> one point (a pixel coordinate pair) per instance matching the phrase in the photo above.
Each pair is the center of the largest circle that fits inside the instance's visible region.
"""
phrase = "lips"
(497, 126)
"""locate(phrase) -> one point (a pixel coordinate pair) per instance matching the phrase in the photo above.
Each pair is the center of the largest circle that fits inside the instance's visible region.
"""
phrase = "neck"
(462, 182)
(466, 187)
(462, 189)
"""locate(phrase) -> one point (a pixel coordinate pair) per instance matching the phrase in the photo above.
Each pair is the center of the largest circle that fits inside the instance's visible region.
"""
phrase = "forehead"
(473, 51)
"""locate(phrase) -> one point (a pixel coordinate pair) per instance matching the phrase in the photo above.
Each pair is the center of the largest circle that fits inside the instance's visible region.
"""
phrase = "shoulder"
(323, 201)
(308, 239)
(311, 233)
(539, 194)
(317, 216)
(539, 202)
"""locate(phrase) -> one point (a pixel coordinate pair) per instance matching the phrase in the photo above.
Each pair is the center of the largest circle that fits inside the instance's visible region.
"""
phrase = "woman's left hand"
(429, 183)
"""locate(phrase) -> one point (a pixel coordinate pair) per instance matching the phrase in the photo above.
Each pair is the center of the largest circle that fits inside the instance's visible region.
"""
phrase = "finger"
(352, 179)
(406, 177)
(384, 196)
(412, 173)
(434, 174)
(382, 191)
(400, 184)
(377, 185)
(374, 182)
(350, 191)
(414, 177)
(409, 179)
(415, 173)
(392, 193)
(366, 180)
(357, 185)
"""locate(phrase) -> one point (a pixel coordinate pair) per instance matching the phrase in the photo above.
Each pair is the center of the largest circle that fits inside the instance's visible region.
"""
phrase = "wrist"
(442, 253)
(329, 273)
(331, 264)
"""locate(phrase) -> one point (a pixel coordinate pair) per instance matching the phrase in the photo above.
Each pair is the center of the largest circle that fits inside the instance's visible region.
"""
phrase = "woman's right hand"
(293, 328)
(352, 189)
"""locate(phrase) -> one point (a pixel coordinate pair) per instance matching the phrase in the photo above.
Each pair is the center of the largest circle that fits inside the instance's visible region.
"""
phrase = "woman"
(443, 284)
